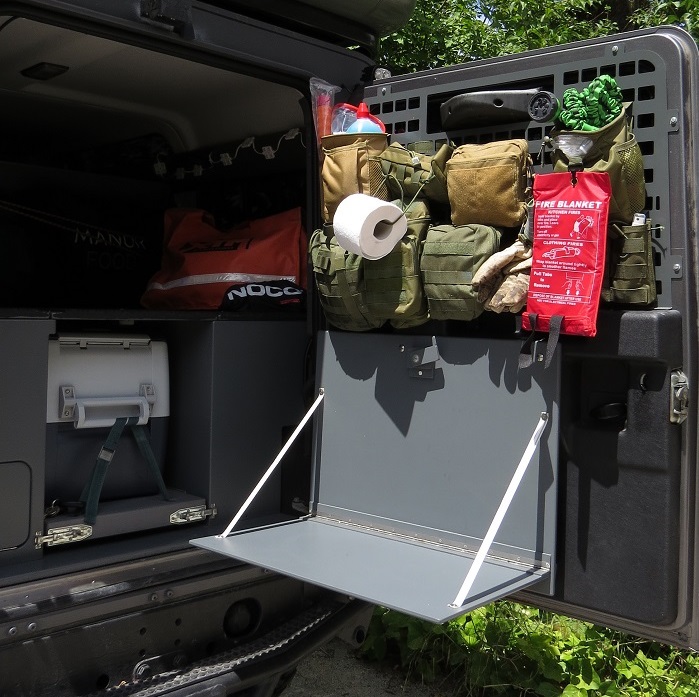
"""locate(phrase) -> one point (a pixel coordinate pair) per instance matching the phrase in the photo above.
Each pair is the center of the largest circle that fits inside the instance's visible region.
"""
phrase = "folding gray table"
(434, 487)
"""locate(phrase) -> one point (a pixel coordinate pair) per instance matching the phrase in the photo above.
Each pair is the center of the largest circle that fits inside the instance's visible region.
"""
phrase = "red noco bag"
(201, 262)
(570, 233)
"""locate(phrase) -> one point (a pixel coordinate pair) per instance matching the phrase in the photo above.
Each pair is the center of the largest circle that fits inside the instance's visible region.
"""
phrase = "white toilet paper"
(368, 226)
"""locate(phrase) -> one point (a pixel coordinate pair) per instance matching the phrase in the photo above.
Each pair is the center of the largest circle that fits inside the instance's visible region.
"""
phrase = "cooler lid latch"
(63, 535)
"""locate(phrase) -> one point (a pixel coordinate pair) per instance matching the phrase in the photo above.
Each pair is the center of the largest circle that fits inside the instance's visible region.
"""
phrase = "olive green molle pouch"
(358, 294)
(339, 280)
(630, 270)
(393, 284)
(612, 149)
(410, 173)
(450, 257)
(487, 184)
(350, 166)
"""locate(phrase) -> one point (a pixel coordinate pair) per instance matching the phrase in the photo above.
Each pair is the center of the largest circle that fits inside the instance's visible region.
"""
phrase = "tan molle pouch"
(487, 184)
(613, 150)
(350, 166)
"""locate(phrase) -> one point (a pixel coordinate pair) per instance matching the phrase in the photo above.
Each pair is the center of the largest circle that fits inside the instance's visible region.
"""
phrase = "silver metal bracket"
(423, 362)
(66, 402)
(193, 514)
(679, 397)
(63, 535)
(538, 350)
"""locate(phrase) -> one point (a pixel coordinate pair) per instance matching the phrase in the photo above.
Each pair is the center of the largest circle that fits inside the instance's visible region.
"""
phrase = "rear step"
(280, 650)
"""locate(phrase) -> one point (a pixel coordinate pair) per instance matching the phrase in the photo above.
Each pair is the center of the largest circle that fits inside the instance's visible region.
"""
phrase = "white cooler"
(92, 381)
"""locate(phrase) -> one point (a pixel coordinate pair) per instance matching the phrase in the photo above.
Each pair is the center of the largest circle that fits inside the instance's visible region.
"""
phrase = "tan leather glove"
(496, 290)
(511, 294)
(491, 271)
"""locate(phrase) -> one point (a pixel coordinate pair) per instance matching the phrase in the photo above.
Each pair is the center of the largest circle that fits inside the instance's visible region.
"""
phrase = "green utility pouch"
(450, 257)
(339, 278)
(630, 271)
(350, 166)
(487, 184)
(358, 294)
(410, 173)
(613, 149)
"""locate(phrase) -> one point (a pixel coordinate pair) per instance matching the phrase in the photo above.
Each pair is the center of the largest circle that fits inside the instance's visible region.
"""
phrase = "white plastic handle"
(104, 411)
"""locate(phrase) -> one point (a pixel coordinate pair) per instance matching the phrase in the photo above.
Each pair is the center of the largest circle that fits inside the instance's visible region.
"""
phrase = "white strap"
(500, 514)
(273, 466)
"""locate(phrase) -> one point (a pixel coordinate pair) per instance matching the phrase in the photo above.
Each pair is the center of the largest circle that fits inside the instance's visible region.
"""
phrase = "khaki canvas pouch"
(350, 166)
(487, 183)
(614, 150)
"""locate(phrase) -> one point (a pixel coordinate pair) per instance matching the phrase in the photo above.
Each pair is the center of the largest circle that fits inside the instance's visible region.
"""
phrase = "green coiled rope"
(597, 105)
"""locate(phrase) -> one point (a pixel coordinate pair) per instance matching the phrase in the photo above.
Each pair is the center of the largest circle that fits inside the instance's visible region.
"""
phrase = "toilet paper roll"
(368, 226)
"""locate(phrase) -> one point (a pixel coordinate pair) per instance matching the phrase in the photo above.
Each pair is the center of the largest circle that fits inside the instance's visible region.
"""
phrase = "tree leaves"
(448, 32)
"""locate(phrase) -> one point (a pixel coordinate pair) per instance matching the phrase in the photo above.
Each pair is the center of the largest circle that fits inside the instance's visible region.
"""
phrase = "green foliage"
(447, 32)
(684, 14)
(512, 650)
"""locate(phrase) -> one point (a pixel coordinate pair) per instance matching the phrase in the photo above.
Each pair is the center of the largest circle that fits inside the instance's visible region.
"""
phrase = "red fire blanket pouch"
(204, 267)
(570, 232)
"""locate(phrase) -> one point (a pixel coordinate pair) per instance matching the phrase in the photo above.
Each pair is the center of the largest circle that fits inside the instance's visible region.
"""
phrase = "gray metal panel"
(23, 353)
(412, 471)
(433, 457)
(419, 579)
(235, 386)
(15, 496)
(651, 69)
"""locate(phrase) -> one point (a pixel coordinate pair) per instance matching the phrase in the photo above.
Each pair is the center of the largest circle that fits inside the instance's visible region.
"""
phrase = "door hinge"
(193, 514)
(176, 14)
(62, 536)
(679, 397)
